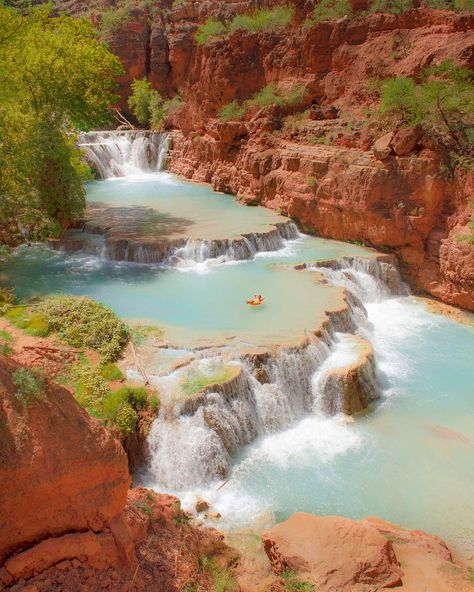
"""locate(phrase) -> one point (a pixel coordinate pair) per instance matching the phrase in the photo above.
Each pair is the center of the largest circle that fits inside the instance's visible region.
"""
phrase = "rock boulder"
(60, 470)
(334, 553)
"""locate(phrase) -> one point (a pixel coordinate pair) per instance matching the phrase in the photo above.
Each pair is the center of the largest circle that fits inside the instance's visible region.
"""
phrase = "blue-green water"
(410, 460)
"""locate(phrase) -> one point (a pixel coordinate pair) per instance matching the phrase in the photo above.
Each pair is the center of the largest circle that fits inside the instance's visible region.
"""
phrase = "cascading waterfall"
(123, 153)
(186, 252)
(196, 447)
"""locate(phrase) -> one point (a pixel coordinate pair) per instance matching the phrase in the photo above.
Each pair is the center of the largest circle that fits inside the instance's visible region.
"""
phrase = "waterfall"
(194, 445)
(182, 252)
(123, 153)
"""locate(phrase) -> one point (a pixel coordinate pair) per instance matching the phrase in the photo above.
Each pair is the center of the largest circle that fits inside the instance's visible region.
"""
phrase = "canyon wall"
(68, 520)
(323, 173)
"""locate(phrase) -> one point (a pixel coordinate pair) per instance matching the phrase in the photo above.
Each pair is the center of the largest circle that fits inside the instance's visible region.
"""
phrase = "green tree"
(149, 107)
(146, 104)
(442, 102)
(56, 78)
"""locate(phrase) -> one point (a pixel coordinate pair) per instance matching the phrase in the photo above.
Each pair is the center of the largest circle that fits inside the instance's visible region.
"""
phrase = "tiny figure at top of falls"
(256, 300)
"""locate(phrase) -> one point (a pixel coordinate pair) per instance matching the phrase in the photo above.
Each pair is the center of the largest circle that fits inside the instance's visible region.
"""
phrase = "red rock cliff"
(322, 173)
(68, 520)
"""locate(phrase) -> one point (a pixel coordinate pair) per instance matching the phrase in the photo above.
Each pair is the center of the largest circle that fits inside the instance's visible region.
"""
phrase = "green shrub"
(6, 336)
(296, 95)
(111, 372)
(274, 19)
(5, 343)
(5, 349)
(328, 10)
(266, 97)
(171, 106)
(118, 411)
(273, 95)
(113, 401)
(37, 326)
(294, 584)
(90, 387)
(29, 383)
(113, 18)
(441, 101)
(391, 6)
(154, 403)
(135, 397)
(312, 181)
(126, 419)
(232, 111)
(147, 509)
(209, 30)
(223, 579)
(148, 106)
(83, 322)
(15, 315)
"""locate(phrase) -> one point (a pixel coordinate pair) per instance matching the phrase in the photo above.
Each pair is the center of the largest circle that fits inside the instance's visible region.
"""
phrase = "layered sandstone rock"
(337, 554)
(61, 471)
(67, 519)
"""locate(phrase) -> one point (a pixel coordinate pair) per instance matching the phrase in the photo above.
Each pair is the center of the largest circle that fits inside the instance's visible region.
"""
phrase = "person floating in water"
(256, 300)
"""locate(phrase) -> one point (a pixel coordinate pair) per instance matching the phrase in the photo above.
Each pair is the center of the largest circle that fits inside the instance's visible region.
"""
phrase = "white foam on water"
(314, 436)
(396, 322)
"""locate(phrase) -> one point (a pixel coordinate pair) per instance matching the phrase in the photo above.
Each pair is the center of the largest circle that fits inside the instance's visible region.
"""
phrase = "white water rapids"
(122, 154)
(194, 449)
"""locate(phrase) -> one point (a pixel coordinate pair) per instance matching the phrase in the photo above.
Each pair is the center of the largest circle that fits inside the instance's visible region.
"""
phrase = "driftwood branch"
(138, 365)
(120, 117)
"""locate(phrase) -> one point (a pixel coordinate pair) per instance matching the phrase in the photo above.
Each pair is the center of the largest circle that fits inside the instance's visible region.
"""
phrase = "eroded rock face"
(67, 518)
(61, 471)
(341, 555)
(337, 189)
(334, 553)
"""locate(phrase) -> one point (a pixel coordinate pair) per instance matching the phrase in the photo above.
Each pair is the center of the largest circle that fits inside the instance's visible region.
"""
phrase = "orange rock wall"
(403, 203)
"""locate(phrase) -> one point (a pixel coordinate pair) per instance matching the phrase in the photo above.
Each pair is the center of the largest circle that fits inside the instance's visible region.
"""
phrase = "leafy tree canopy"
(56, 78)
(148, 105)
(441, 101)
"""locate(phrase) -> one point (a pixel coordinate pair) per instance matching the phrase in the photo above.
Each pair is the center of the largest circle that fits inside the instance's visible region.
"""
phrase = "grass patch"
(147, 509)
(329, 10)
(142, 333)
(6, 336)
(29, 383)
(269, 96)
(113, 18)
(84, 323)
(391, 6)
(154, 403)
(34, 324)
(197, 381)
(275, 19)
(111, 372)
(294, 584)
(5, 343)
(223, 580)
(232, 111)
(209, 31)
